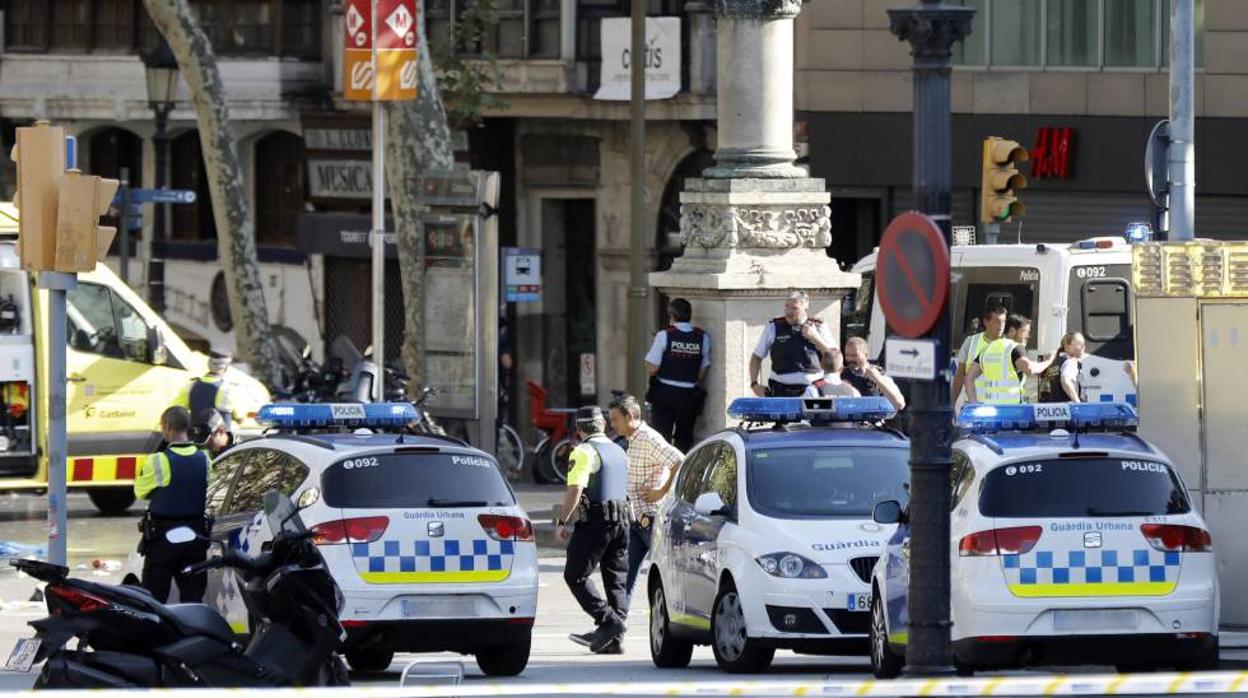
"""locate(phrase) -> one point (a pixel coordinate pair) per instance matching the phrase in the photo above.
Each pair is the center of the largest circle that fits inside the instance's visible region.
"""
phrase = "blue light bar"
(979, 418)
(300, 415)
(824, 409)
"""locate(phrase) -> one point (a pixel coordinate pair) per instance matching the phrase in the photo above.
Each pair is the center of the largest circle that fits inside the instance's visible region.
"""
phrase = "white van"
(1079, 287)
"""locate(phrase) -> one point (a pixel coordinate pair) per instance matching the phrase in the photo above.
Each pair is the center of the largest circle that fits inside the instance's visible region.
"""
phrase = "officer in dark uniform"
(209, 432)
(794, 342)
(677, 363)
(209, 390)
(175, 482)
(597, 502)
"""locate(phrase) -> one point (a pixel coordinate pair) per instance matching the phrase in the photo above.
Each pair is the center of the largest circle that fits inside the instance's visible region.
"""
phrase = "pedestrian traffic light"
(1001, 179)
(81, 241)
(40, 157)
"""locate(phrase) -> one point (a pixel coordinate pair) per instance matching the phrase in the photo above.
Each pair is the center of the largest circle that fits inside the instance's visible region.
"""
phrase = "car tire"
(505, 661)
(734, 651)
(541, 464)
(666, 651)
(885, 663)
(111, 501)
(370, 662)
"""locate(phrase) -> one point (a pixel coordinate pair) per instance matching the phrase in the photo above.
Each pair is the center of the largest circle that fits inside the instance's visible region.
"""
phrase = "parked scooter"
(128, 639)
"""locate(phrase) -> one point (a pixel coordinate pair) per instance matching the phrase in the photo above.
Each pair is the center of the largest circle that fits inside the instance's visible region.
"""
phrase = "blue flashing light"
(293, 416)
(1138, 231)
(979, 418)
(823, 409)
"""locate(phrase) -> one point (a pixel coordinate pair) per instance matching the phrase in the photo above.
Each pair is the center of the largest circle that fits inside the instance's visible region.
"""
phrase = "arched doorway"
(112, 149)
(667, 245)
(191, 222)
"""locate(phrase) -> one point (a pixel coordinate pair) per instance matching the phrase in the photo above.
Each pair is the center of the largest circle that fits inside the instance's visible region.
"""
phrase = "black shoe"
(610, 631)
(584, 639)
(613, 647)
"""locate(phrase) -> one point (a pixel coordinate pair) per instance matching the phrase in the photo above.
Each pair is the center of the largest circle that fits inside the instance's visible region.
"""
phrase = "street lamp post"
(161, 69)
(932, 28)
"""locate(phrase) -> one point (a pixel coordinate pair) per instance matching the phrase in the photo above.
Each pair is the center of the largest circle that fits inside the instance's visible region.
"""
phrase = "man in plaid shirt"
(651, 460)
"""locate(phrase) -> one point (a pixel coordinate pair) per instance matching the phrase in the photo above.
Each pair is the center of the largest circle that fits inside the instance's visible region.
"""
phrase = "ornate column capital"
(932, 28)
(758, 9)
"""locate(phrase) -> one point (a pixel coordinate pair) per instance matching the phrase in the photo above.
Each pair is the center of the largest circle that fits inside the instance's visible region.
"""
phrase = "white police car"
(1072, 546)
(422, 533)
(765, 540)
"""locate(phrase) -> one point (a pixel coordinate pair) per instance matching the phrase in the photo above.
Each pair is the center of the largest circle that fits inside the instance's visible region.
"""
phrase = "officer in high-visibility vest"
(1004, 367)
(993, 323)
(210, 390)
(175, 483)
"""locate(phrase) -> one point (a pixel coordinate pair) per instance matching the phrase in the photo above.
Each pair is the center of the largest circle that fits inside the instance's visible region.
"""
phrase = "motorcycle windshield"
(282, 514)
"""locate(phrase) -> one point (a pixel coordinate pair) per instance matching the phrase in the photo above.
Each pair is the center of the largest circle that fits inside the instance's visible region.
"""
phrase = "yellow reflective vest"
(1002, 384)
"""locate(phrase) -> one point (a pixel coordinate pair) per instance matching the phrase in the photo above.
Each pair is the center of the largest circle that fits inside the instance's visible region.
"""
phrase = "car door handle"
(75, 378)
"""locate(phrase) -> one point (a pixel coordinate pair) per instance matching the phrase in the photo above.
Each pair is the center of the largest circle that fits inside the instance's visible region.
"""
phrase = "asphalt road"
(554, 660)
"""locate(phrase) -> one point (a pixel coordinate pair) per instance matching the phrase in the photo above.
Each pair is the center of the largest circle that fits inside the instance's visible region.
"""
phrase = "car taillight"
(84, 602)
(506, 527)
(1172, 538)
(365, 529)
(1002, 541)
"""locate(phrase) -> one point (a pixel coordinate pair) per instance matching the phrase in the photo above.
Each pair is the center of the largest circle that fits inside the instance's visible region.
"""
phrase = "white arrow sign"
(910, 358)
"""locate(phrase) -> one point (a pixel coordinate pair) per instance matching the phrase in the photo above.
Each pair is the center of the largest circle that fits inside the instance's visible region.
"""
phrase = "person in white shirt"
(795, 341)
(677, 364)
(833, 385)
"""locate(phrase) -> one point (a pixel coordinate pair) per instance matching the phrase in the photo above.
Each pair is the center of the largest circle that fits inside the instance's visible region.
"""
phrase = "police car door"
(679, 525)
(702, 581)
(222, 590)
(1087, 541)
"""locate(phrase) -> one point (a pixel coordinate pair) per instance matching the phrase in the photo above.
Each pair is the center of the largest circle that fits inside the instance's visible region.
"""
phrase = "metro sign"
(380, 59)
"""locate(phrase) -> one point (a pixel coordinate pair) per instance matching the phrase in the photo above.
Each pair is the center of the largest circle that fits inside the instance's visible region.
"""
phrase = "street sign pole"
(57, 284)
(379, 249)
(932, 28)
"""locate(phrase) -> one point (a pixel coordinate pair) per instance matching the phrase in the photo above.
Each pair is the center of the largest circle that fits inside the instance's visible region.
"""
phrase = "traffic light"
(1001, 179)
(80, 239)
(40, 157)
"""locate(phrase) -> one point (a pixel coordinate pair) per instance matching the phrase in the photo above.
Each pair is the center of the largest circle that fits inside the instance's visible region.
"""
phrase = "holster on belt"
(145, 533)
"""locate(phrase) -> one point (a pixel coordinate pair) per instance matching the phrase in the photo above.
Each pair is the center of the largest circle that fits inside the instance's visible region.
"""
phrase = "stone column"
(755, 226)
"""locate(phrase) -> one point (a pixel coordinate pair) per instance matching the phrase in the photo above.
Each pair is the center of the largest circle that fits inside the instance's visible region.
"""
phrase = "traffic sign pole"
(379, 250)
(932, 27)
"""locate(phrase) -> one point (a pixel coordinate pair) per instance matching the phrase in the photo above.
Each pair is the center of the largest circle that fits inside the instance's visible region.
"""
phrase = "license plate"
(1117, 619)
(23, 656)
(858, 602)
(439, 607)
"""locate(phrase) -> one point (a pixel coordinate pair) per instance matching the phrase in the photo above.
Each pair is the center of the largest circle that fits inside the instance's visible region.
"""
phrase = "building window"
(1093, 34)
(501, 28)
(190, 221)
(279, 198)
(287, 28)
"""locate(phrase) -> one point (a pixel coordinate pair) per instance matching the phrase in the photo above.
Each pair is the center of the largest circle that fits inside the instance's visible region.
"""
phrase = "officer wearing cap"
(175, 483)
(596, 501)
(208, 430)
(209, 390)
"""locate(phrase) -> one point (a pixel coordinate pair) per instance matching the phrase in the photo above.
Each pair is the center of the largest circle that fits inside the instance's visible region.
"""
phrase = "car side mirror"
(709, 504)
(158, 355)
(888, 512)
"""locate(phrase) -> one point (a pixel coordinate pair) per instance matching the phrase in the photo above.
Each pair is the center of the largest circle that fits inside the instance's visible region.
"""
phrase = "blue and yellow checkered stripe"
(1093, 573)
(444, 561)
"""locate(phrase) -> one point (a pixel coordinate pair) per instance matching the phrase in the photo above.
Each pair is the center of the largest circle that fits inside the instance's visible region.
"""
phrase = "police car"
(1070, 545)
(422, 533)
(765, 540)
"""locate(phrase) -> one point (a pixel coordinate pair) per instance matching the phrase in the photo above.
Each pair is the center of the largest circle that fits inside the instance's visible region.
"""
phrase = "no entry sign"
(912, 274)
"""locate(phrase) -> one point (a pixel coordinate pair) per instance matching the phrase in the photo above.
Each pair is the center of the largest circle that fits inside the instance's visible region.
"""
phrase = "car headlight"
(791, 566)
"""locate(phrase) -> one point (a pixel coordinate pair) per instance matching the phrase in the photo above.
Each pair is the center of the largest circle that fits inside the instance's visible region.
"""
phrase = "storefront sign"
(338, 235)
(1051, 155)
(340, 179)
(522, 275)
(358, 139)
(662, 58)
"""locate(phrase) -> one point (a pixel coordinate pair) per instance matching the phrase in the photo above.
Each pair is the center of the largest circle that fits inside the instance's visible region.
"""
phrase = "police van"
(1079, 287)
(1073, 541)
(124, 366)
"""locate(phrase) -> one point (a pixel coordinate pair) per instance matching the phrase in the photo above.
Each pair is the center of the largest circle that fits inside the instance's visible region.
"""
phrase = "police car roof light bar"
(296, 416)
(825, 409)
(980, 418)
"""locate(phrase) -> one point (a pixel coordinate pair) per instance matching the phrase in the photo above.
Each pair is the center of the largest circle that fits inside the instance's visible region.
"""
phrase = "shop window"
(1071, 32)
(501, 28)
(190, 221)
(1015, 33)
(280, 197)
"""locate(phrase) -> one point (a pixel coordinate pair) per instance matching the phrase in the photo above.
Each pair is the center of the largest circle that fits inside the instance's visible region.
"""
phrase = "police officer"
(596, 500)
(175, 482)
(993, 322)
(794, 342)
(210, 433)
(1004, 365)
(210, 390)
(677, 363)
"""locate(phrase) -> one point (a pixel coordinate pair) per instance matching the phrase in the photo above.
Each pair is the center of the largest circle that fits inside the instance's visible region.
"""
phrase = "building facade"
(1080, 83)
(563, 157)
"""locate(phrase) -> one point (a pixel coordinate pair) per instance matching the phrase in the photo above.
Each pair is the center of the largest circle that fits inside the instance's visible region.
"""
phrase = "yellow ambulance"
(124, 367)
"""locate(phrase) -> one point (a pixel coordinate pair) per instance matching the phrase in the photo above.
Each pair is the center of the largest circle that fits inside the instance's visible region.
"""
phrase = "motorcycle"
(128, 639)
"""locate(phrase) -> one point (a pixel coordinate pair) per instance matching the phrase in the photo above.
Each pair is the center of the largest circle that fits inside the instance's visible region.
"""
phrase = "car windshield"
(415, 481)
(1083, 487)
(826, 481)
